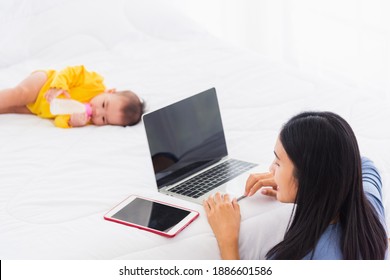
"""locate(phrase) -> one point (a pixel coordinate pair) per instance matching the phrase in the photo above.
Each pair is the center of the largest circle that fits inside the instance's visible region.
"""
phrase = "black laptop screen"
(185, 137)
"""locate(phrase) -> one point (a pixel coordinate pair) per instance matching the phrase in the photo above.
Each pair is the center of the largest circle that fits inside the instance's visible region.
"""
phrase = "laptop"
(188, 150)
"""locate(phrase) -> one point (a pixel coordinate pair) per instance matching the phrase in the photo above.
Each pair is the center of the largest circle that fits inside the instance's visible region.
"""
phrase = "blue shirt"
(328, 247)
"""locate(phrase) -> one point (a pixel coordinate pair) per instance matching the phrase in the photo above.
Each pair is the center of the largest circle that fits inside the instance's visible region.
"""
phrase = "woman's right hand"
(257, 181)
(54, 93)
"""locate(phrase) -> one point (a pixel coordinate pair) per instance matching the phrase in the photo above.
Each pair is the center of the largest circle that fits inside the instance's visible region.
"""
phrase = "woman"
(338, 212)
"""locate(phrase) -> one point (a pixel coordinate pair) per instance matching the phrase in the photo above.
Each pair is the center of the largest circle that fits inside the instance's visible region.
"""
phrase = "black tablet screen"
(151, 214)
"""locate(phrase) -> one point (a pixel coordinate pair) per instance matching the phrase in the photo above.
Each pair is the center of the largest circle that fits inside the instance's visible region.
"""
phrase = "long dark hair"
(328, 169)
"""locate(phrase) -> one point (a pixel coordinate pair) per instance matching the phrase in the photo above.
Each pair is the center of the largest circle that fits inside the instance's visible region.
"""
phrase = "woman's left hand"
(224, 218)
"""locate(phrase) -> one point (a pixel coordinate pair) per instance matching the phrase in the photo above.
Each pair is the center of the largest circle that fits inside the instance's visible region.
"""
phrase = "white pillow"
(31, 28)
(14, 31)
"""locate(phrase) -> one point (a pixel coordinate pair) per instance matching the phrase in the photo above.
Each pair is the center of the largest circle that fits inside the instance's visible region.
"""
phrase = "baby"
(109, 107)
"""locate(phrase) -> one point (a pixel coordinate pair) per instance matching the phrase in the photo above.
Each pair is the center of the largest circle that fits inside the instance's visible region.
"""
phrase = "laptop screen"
(185, 137)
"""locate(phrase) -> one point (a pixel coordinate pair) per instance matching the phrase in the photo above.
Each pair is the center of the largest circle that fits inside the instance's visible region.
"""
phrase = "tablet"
(151, 215)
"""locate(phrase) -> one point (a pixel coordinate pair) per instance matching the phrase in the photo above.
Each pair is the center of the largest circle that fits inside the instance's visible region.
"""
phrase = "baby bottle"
(59, 106)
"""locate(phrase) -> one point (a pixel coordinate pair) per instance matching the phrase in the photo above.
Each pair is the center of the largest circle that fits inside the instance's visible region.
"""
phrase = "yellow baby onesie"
(81, 84)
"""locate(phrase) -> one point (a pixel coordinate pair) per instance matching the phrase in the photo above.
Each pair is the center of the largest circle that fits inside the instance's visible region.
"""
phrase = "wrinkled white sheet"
(56, 185)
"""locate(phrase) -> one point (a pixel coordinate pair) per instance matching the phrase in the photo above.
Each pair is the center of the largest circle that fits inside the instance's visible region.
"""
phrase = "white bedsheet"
(56, 184)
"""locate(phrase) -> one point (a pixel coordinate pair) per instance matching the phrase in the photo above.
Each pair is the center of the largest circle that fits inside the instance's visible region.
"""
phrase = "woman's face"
(283, 170)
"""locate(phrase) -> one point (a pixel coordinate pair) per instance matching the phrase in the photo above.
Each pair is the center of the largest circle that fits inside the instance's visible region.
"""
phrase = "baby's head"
(123, 108)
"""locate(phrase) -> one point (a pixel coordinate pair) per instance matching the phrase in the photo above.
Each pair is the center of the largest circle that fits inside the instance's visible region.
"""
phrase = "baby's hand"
(79, 119)
(53, 93)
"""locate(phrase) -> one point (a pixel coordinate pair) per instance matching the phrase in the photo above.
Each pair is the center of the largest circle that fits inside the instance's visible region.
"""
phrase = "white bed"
(56, 184)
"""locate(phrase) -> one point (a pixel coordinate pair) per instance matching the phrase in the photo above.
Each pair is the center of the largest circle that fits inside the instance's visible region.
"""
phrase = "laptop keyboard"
(212, 178)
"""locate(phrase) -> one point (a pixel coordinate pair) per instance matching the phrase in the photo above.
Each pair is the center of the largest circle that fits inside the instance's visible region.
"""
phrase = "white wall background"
(346, 41)
(341, 40)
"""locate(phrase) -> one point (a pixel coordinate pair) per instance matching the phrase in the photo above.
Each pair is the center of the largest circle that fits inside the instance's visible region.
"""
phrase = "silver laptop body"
(188, 150)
